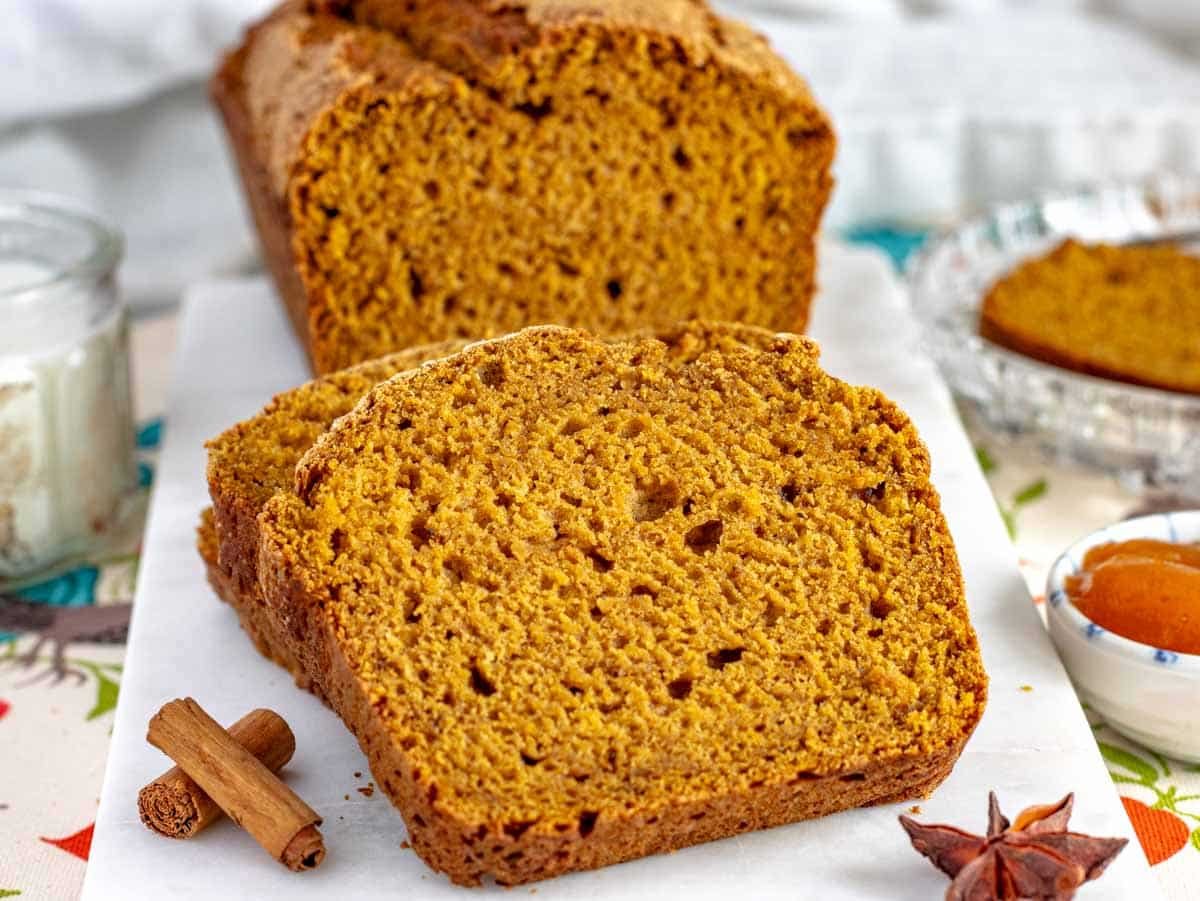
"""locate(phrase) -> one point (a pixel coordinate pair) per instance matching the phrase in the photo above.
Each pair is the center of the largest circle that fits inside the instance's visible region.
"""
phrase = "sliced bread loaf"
(581, 602)
(442, 168)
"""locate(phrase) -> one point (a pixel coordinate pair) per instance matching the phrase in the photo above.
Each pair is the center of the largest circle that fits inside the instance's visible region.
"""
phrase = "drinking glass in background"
(68, 473)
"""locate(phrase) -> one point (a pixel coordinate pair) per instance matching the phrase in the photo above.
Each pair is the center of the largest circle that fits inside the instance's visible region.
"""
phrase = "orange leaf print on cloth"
(1160, 833)
(79, 844)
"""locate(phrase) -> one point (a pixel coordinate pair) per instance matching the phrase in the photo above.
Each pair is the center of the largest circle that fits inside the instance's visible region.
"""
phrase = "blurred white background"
(942, 107)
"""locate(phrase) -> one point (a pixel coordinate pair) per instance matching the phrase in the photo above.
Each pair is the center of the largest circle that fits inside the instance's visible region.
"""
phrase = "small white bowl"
(1150, 694)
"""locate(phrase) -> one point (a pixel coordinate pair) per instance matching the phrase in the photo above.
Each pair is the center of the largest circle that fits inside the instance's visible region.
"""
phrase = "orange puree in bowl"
(1145, 590)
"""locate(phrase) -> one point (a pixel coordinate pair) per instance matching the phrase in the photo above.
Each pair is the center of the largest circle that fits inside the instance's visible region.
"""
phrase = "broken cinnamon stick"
(240, 784)
(175, 806)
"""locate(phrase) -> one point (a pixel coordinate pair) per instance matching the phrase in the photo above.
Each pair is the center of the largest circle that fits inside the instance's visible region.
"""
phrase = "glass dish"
(1148, 437)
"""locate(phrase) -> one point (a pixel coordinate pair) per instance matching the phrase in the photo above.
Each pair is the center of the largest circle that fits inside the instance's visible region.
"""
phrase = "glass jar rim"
(96, 262)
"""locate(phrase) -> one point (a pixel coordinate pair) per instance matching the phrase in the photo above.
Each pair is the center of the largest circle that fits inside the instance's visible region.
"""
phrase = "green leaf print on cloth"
(1032, 492)
(105, 676)
(1021, 498)
(106, 688)
(1171, 821)
(1145, 774)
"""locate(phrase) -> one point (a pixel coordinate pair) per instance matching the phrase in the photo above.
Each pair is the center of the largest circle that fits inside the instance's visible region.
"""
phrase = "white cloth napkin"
(103, 102)
(1176, 21)
(942, 115)
(941, 106)
(61, 57)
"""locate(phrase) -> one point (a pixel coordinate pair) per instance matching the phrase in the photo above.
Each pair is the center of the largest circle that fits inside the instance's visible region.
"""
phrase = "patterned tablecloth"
(62, 650)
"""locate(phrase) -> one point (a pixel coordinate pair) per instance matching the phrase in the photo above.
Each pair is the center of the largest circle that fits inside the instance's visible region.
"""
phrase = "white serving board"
(236, 350)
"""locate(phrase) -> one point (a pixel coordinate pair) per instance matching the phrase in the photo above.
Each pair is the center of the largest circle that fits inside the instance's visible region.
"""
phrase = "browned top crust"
(473, 37)
(296, 62)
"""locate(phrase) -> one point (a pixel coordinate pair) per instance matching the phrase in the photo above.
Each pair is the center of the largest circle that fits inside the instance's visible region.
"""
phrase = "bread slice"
(454, 168)
(581, 602)
(1125, 313)
(250, 462)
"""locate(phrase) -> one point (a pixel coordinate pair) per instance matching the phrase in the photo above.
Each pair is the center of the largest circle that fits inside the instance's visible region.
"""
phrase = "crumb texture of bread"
(1129, 313)
(250, 462)
(583, 601)
(459, 168)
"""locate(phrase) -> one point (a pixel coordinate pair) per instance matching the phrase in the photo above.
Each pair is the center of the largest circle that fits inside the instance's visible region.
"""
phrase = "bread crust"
(267, 209)
(1029, 343)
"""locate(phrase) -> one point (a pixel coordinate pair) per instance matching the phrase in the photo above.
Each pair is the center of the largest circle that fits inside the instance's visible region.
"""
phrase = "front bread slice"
(581, 603)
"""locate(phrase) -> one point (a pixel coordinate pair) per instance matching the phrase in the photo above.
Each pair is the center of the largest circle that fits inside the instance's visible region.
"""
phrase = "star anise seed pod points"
(1033, 857)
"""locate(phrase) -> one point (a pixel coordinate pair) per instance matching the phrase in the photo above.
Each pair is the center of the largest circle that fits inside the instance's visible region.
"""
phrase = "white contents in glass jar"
(67, 463)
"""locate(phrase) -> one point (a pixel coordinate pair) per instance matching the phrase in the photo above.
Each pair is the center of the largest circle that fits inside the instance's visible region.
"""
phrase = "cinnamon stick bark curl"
(175, 806)
(240, 784)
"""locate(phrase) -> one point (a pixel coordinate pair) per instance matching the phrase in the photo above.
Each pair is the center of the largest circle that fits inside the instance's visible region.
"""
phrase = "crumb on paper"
(366, 791)
(915, 810)
(357, 774)
(405, 845)
(345, 797)
(1027, 688)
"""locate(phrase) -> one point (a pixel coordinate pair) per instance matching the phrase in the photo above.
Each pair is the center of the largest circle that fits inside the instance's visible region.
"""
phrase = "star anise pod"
(1032, 858)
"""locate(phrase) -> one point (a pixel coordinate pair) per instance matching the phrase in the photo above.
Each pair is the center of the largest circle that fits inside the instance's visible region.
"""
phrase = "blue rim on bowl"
(1181, 526)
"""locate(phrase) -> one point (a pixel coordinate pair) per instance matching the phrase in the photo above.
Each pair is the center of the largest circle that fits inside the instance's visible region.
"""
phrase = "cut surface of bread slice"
(581, 602)
(447, 168)
(254, 459)
(1125, 313)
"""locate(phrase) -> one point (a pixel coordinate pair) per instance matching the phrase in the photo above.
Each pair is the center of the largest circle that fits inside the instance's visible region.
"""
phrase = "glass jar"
(67, 459)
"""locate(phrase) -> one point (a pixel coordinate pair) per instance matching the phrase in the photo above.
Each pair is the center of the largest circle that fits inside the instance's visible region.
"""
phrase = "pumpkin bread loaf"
(251, 461)
(1130, 313)
(581, 603)
(426, 170)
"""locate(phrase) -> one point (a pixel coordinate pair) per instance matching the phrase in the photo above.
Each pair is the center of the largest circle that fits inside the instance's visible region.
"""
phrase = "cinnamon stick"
(175, 806)
(240, 784)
